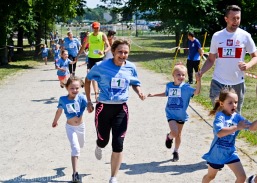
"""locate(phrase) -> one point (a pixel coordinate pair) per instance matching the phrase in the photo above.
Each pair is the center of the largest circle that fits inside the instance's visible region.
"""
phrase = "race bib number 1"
(174, 92)
(118, 83)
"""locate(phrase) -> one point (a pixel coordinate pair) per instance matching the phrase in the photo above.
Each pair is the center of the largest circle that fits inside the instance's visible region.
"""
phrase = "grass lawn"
(155, 53)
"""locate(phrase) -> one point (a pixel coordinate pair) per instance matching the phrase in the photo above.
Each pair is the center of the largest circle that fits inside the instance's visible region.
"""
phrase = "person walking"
(226, 126)
(194, 55)
(73, 105)
(72, 45)
(98, 46)
(179, 94)
(114, 76)
(228, 48)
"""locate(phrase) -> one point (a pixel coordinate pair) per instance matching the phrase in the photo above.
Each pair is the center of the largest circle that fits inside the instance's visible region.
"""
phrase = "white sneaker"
(98, 152)
(113, 180)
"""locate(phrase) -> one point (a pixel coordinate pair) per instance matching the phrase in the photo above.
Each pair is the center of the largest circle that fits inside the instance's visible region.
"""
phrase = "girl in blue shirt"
(62, 67)
(73, 105)
(114, 76)
(44, 51)
(226, 126)
(57, 54)
(179, 94)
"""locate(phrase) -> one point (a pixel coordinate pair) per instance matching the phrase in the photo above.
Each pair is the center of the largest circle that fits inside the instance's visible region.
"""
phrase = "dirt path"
(32, 151)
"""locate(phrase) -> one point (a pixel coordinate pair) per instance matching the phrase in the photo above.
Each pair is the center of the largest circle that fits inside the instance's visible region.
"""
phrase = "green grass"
(154, 53)
(22, 62)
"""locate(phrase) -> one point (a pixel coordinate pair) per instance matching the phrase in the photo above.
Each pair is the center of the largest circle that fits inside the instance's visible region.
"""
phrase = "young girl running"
(44, 51)
(179, 94)
(57, 52)
(73, 105)
(226, 126)
(63, 68)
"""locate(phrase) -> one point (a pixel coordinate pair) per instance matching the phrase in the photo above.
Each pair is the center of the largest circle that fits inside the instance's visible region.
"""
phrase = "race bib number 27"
(174, 92)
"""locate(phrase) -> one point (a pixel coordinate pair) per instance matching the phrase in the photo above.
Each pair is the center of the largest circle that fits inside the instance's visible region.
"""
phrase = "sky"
(93, 3)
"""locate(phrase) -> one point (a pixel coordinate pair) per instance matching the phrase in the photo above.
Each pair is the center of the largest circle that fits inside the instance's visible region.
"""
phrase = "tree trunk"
(3, 36)
(38, 35)
(20, 40)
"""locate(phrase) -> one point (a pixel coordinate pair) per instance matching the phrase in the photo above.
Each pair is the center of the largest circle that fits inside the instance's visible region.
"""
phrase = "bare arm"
(207, 64)
(253, 126)
(107, 45)
(229, 130)
(56, 118)
(157, 95)
(90, 107)
(83, 46)
(138, 91)
(198, 85)
(243, 66)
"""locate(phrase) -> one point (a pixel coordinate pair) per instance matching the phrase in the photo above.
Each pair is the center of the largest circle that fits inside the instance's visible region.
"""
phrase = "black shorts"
(220, 166)
(92, 61)
(178, 121)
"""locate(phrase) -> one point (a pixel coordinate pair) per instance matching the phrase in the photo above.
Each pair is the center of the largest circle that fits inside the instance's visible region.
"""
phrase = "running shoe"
(168, 142)
(251, 179)
(98, 152)
(113, 180)
(75, 177)
(175, 156)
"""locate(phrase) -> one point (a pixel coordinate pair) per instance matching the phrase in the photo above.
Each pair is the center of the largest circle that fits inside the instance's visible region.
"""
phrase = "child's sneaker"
(251, 179)
(113, 180)
(75, 177)
(168, 142)
(98, 152)
(175, 156)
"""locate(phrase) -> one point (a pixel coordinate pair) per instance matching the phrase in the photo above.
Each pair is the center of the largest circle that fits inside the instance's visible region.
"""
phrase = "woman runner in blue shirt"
(114, 76)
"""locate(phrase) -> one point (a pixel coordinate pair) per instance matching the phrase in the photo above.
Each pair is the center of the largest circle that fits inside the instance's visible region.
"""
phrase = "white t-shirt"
(230, 49)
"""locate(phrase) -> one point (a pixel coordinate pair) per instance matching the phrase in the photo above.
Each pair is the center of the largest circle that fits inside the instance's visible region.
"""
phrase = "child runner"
(73, 105)
(44, 51)
(226, 126)
(63, 68)
(179, 94)
(56, 54)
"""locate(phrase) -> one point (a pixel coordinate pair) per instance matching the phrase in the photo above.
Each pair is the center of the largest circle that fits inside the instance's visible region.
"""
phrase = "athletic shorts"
(178, 121)
(220, 166)
(92, 61)
(111, 118)
(62, 77)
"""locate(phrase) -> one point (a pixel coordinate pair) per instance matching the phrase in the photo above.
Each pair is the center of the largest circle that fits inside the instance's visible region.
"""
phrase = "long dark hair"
(222, 97)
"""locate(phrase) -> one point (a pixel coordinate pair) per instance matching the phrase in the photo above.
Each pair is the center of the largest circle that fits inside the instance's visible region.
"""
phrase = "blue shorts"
(220, 166)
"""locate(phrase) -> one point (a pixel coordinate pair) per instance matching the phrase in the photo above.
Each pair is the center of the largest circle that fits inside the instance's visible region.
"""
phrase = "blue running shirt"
(114, 81)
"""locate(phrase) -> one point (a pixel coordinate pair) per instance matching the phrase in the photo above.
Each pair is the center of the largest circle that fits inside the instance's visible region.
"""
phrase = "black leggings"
(72, 65)
(190, 66)
(111, 117)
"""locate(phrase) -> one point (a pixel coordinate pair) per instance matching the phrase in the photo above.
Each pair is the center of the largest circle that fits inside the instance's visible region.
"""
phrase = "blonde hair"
(179, 67)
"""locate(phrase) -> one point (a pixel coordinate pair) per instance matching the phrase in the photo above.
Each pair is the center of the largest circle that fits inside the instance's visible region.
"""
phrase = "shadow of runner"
(47, 101)
(154, 167)
(59, 175)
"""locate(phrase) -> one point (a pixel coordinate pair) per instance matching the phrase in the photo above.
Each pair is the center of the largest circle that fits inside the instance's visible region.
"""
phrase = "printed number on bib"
(118, 83)
(96, 51)
(72, 107)
(71, 45)
(229, 52)
(174, 92)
